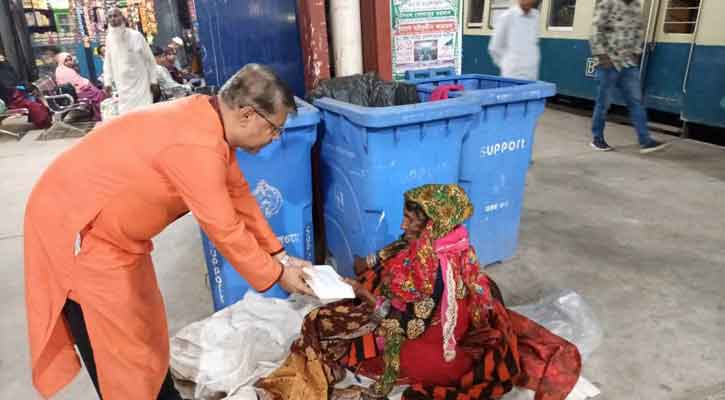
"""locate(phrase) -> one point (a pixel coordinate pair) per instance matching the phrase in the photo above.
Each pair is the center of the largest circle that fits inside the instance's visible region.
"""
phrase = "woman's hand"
(360, 292)
(360, 265)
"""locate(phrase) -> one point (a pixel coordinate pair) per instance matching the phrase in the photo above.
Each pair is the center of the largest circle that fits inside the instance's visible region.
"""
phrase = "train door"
(669, 49)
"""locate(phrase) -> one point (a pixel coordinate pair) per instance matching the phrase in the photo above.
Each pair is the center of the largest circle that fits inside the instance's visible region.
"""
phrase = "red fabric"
(441, 92)
(550, 365)
(421, 359)
(38, 114)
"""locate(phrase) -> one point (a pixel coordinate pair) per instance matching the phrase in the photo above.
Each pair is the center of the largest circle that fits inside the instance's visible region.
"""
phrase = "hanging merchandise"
(101, 19)
(132, 17)
(147, 17)
(192, 10)
(425, 34)
(88, 21)
(38, 16)
(43, 34)
(81, 22)
(35, 4)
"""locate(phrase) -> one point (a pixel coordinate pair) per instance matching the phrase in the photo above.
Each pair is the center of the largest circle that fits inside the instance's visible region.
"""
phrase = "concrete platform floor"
(642, 238)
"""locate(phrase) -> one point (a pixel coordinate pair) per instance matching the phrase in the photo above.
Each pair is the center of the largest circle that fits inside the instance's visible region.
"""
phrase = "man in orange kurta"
(91, 217)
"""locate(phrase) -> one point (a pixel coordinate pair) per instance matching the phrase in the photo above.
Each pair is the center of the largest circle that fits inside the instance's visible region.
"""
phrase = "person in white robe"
(129, 65)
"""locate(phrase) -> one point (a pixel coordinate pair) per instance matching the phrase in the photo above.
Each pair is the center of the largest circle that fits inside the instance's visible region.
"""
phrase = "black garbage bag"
(393, 94)
(366, 90)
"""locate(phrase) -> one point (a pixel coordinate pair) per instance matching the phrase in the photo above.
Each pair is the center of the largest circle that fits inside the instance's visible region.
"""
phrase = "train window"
(475, 13)
(498, 7)
(561, 14)
(681, 16)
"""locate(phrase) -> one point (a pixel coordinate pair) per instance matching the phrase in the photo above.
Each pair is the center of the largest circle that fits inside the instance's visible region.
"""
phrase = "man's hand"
(604, 61)
(292, 281)
(108, 90)
(298, 262)
(288, 261)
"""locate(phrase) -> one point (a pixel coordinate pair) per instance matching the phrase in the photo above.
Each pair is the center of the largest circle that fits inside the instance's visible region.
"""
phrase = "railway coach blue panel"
(565, 62)
(705, 101)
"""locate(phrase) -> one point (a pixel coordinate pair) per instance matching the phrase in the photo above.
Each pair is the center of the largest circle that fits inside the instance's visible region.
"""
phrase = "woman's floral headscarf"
(447, 206)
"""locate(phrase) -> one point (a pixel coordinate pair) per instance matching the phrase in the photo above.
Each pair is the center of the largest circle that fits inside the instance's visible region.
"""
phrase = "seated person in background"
(13, 98)
(428, 316)
(180, 60)
(65, 73)
(169, 87)
(170, 62)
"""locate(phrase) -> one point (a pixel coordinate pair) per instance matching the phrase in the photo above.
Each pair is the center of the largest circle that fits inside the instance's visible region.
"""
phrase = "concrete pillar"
(346, 36)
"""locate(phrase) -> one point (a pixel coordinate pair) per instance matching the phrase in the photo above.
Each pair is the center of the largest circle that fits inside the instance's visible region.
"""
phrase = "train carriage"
(683, 67)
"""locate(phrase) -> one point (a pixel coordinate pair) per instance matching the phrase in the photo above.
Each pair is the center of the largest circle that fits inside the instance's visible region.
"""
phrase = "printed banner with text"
(426, 34)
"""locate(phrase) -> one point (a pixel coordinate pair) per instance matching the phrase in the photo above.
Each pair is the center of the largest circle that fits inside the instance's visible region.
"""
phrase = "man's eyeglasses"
(276, 130)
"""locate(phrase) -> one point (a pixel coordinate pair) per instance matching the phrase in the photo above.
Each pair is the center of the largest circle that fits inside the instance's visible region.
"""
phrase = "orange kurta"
(88, 229)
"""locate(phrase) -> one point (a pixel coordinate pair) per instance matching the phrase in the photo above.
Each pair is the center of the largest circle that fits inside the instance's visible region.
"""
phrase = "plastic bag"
(386, 94)
(366, 90)
(227, 352)
(109, 108)
(354, 89)
(566, 314)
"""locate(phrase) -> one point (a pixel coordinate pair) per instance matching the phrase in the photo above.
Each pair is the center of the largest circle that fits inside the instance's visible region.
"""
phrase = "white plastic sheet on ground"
(222, 356)
(566, 314)
(237, 345)
(109, 108)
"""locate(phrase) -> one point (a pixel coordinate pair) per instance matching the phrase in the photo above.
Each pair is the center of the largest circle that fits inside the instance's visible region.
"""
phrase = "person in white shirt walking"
(514, 47)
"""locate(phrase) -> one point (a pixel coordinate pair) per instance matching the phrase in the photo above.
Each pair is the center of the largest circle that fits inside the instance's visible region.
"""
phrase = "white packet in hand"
(327, 284)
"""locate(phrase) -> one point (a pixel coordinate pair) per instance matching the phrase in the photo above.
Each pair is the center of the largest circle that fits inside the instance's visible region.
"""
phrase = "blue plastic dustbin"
(280, 178)
(430, 73)
(496, 155)
(370, 156)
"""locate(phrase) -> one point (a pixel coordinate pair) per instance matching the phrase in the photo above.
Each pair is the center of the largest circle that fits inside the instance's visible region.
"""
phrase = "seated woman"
(13, 98)
(428, 316)
(65, 73)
